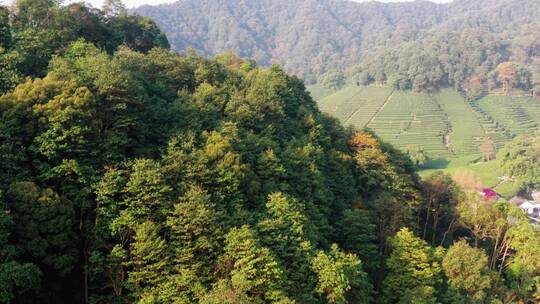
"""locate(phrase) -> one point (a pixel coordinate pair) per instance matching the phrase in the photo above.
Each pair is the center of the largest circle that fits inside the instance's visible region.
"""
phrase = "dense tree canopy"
(133, 174)
(414, 45)
(472, 60)
(32, 32)
(521, 159)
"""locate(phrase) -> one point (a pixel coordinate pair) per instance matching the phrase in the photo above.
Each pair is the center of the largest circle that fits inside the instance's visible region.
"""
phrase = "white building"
(532, 209)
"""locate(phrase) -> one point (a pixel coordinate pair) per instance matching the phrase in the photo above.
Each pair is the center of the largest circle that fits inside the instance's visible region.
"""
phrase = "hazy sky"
(129, 3)
(135, 3)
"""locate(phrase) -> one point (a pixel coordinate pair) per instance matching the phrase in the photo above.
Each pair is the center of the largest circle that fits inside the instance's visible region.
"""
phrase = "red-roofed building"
(489, 194)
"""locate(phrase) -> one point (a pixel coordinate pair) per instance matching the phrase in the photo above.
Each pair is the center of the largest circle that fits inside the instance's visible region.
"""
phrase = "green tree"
(507, 75)
(9, 59)
(252, 268)
(38, 14)
(16, 278)
(413, 266)
(480, 218)
(419, 295)
(196, 234)
(148, 264)
(127, 198)
(418, 156)
(359, 235)
(488, 149)
(521, 159)
(215, 165)
(468, 272)
(5, 29)
(388, 184)
(45, 224)
(224, 292)
(9, 74)
(523, 270)
(147, 192)
(334, 80)
(138, 33)
(441, 196)
(286, 231)
(114, 8)
(340, 278)
(40, 29)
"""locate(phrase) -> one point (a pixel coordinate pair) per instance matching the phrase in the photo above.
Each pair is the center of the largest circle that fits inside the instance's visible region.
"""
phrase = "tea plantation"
(445, 125)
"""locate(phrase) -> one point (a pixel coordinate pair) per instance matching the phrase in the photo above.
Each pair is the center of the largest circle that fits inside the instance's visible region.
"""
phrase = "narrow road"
(380, 108)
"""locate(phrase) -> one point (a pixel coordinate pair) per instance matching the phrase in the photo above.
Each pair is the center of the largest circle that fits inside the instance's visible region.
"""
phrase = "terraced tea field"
(412, 119)
(516, 115)
(444, 124)
(466, 133)
(356, 105)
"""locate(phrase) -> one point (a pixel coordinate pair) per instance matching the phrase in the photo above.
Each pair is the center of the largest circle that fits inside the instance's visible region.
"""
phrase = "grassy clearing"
(487, 172)
(319, 92)
(508, 190)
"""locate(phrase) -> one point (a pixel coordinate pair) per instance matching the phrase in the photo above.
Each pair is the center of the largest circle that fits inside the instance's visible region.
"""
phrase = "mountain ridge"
(312, 38)
(289, 28)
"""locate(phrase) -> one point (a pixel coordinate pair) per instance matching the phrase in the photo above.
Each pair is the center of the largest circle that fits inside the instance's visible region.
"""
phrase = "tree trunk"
(86, 300)
(427, 218)
(447, 231)
(503, 259)
(495, 253)
(436, 220)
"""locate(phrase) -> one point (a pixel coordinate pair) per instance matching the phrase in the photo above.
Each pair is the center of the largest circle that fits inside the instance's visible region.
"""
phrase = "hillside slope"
(312, 37)
(306, 37)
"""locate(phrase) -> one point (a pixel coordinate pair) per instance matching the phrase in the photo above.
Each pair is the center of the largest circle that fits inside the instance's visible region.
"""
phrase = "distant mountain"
(310, 38)
(484, 46)
(307, 37)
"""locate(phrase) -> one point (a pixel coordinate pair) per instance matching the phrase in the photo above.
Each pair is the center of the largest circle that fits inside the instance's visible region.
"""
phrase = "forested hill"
(133, 174)
(307, 37)
(310, 38)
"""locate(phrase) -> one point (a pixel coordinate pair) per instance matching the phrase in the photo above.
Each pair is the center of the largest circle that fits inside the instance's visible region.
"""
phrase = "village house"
(530, 207)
